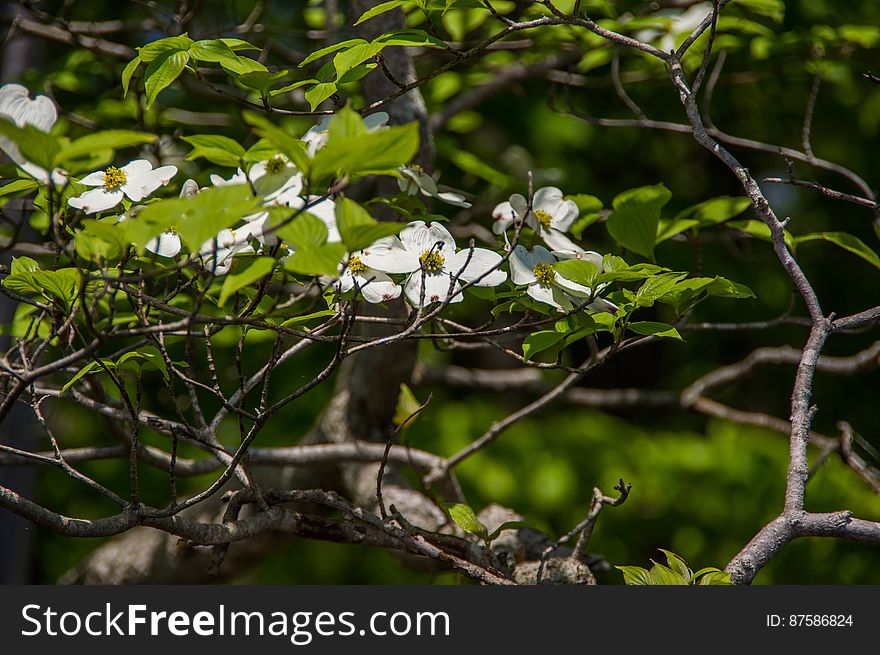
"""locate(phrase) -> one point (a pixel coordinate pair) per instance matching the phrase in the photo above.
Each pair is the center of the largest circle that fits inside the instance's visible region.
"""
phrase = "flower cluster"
(422, 263)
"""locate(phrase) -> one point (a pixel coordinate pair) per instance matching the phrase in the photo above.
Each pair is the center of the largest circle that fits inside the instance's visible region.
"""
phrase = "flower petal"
(545, 294)
(140, 186)
(190, 189)
(417, 237)
(602, 305)
(93, 179)
(166, 244)
(238, 178)
(96, 200)
(557, 241)
(546, 197)
(519, 204)
(137, 167)
(436, 288)
(573, 287)
(452, 198)
(390, 256)
(480, 266)
(15, 103)
(584, 255)
(375, 121)
(503, 216)
(376, 287)
(39, 173)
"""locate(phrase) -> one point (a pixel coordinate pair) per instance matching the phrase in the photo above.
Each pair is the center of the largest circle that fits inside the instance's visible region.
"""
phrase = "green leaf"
(91, 367)
(239, 44)
(634, 575)
(678, 565)
(846, 241)
(304, 231)
(587, 204)
(652, 328)
(61, 284)
(717, 577)
(36, 146)
(296, 320)
(317, 54)
(320, 260)
(716, 210)
(162, 71)
(148, 357)
(214, 50)
(16, 186)
(409, 38)
(580, 271)
(407, 406)
(217, 149)
(507, 525)
(657, 286)
(262, 81)
(663, 575)
(22, 284)
(242, 66)
(470, 163)
(290, 87)
(668, 228)
(259, 268)
(760, 230)
(128, 72)
(379, 9)
(101, 239)
(617, 270)
(347, 59)
(319, 93)
(23, 265)
(380, 150)
(357, 228)
(196, 219)
(540, 341)
(633, 223)
(106, 140)
(465, 518)
(164, 47)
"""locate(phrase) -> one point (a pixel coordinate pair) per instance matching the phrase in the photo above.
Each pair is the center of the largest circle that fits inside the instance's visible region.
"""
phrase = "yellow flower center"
(544, 273)
(276, 164)
(432, 261)
(114, 178)
(355, 265)
(543, 218)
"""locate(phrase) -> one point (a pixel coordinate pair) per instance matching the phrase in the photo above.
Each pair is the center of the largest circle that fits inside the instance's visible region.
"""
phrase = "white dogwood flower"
(284, 194)
(534, 269)
(373, 286)
(428, 253)
(137, 180)
(17, 107)
(551, 214)
(216, 254)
